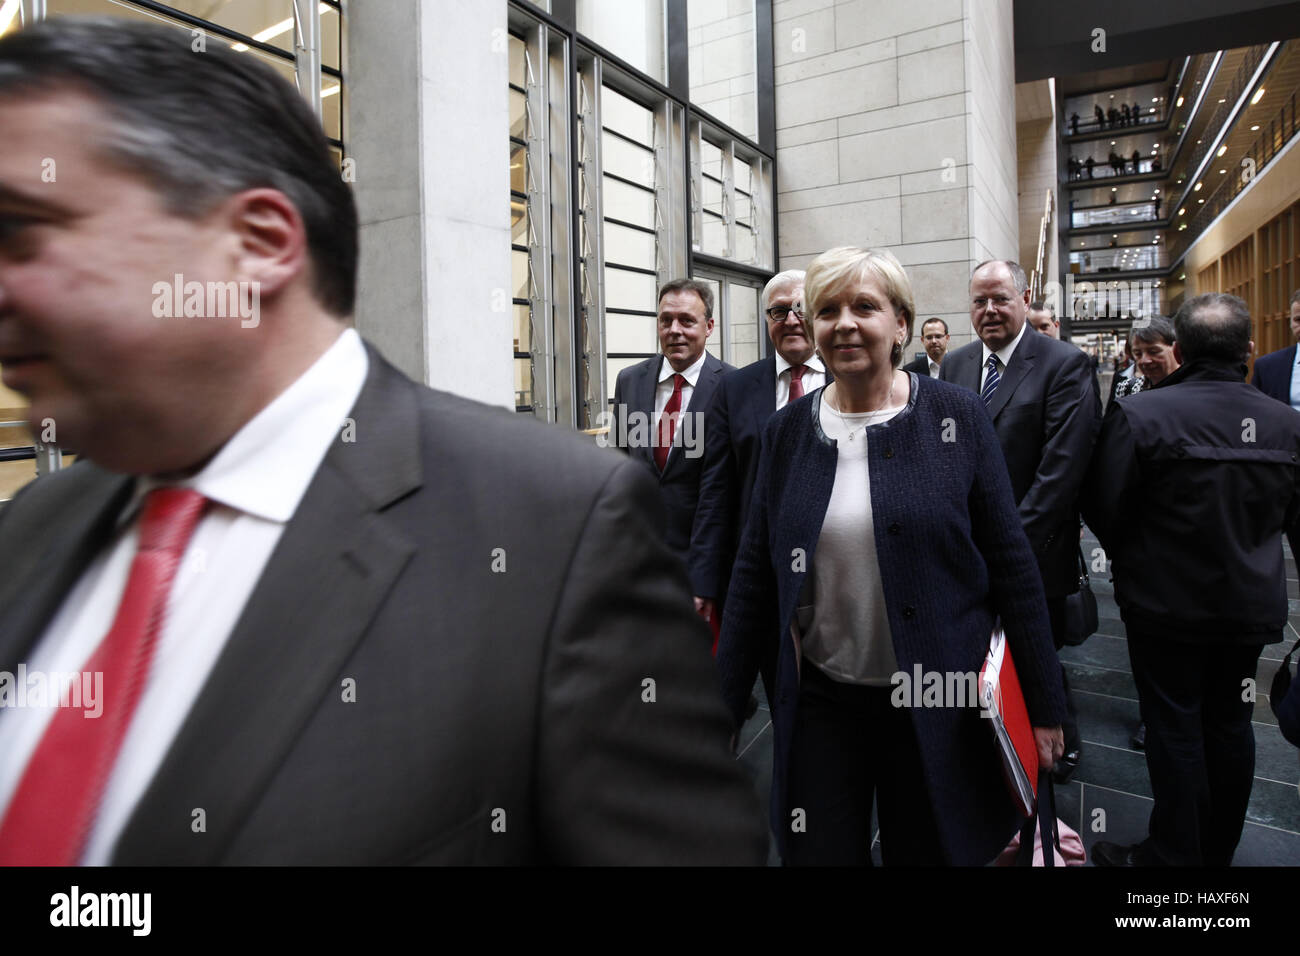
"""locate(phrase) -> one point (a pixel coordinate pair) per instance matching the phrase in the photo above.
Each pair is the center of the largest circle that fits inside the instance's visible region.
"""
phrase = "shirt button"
(889, 453)
(909, 612)
(894, 528)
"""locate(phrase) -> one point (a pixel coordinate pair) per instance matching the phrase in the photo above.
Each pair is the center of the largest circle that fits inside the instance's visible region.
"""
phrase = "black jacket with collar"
(1191, 484)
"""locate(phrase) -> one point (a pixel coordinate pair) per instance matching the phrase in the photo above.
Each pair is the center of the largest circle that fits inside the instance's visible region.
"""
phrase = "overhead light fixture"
(1197, 187)
(1114, 189)
(1179, 103)
(1259, 95)
(1183, 211)
(1154, 241)
(1222, 149)
(1222, 171)
(273, 31)
(1254, 128)
(1112, 142)
(1200, 201)
(1157, 192)
(1223, 101)
(1155, 99)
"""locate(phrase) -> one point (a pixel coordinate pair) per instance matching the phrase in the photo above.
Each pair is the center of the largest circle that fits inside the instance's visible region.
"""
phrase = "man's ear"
(708, 328)
(271, 238)
(1178, 353)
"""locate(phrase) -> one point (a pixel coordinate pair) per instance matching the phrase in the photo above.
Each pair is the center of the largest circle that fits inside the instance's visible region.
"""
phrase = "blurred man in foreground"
(317, 594)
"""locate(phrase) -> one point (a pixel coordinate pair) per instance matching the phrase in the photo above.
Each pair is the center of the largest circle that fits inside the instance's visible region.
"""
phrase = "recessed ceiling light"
(1179, 103)
(1155, 99)
(1157, 192)
(1183, 211)
(1222, 149)
(1114, 189)
(1197, 187)
(1259, 95)
(1255, 127)
(1223, 101)
(1222, 171)
(1200, 201)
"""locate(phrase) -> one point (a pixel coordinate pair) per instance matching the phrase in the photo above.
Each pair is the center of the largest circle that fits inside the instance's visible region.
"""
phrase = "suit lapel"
(763, 403)
(644, 402)
(701, 393)
(44, 562)
(337, 558)
(1022, 363)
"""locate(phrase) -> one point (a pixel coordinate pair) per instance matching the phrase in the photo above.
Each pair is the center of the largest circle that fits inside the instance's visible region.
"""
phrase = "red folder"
(1003, 704)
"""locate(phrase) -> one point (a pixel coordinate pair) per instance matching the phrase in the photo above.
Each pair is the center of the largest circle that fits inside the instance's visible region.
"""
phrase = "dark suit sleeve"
(1071, 419)
(1014, 579)
(1288, 714)
(633, 765)
(750, 614)
(1113, 480)
(714, 515)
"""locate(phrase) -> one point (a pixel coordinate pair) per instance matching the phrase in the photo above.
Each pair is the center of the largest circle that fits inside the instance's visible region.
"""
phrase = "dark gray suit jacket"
(680, 481)
(1047, 412)
(500, 717)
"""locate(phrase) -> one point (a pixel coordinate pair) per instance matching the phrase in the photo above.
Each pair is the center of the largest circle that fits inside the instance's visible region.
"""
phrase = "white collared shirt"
(1004, 355)
(664, 390)
(814, 377)
(1295, 381)
(255, 483)
(934, 366)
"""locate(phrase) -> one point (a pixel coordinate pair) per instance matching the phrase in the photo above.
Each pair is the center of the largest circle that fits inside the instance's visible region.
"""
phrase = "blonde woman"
(883, 537)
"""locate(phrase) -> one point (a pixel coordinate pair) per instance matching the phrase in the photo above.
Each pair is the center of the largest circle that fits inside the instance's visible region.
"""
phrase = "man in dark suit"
(745, 400)
(336, 617)
(1046, 409)
(1198, 576)
(1275, 372)
(934, 335)
(1275, 376)
(660, 404)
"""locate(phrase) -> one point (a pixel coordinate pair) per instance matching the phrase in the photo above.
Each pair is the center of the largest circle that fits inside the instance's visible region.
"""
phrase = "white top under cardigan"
(846, 629)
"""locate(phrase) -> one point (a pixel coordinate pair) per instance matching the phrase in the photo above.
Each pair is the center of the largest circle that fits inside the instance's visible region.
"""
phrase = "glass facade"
(666, 179)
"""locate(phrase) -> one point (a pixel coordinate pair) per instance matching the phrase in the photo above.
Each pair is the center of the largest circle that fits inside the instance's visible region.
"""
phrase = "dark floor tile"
(1098, 680)
(1275, 805)
(1100, 650)
(1118, 769)
(1264, 846)
(1122, 818)
(1105, 720)
(1275, 757)
(1069, 803)
(753, 727)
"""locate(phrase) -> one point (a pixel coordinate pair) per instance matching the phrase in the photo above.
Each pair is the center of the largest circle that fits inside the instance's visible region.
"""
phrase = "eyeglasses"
(781, 312)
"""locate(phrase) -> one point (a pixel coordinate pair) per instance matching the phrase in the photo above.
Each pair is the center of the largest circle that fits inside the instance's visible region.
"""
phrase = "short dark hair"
(1214, 326)
(1018, 276)
(935, 319)
(198, 126)
(1295, 297)
(1038, 305)
(1152, 330)
(701, 289)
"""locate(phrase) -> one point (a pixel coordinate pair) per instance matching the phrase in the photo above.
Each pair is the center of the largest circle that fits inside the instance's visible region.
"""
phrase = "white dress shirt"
(934, 366)
(664, 391)
(255, 483)
(1003, 354)
(1295, 381)
(814, 377)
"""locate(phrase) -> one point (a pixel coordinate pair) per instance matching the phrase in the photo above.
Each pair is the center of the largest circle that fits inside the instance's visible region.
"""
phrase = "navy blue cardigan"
(953, 557)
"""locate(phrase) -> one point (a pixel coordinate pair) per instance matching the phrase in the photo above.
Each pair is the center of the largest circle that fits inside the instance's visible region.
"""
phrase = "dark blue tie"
(991, 381)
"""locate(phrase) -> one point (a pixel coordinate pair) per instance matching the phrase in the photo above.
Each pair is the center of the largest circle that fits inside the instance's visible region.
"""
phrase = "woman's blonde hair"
(834, 271)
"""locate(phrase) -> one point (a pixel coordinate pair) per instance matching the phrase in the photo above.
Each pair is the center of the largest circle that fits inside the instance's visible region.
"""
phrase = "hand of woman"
(1051, 745)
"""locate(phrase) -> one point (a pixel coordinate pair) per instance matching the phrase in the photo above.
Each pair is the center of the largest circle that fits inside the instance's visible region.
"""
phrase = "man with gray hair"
(745, 400)
(1199, 577)
(1042, 396)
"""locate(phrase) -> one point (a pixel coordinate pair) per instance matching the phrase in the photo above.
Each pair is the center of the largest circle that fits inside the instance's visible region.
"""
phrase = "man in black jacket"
(1198, 576)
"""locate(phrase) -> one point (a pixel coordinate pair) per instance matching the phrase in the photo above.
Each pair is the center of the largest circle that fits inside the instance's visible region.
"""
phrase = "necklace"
(871, 415)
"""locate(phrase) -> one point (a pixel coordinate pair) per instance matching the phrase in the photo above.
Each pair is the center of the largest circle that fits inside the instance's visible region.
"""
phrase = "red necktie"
(668, 422)
(55, 804)
(796, 381)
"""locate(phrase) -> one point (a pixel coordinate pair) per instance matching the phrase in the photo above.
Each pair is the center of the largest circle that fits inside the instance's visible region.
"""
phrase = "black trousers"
(1069, 726)
(850, 745)
(1200, 745)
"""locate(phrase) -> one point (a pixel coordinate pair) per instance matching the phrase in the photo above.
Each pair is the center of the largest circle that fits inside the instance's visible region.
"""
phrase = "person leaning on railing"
(883, 539)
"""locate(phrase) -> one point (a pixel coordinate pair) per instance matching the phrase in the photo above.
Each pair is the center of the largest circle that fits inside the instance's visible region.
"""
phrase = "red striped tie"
(668, 423)
(796, 381)
(54, 807)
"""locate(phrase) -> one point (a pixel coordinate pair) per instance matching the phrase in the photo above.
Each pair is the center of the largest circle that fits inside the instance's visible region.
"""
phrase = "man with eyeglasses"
(745, 400)
(1046, 409)
(934, 333)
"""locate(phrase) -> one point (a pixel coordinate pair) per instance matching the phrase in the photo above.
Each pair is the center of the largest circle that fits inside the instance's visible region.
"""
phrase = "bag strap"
(1286, 661)
(1043, 819)
(1083, 567)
